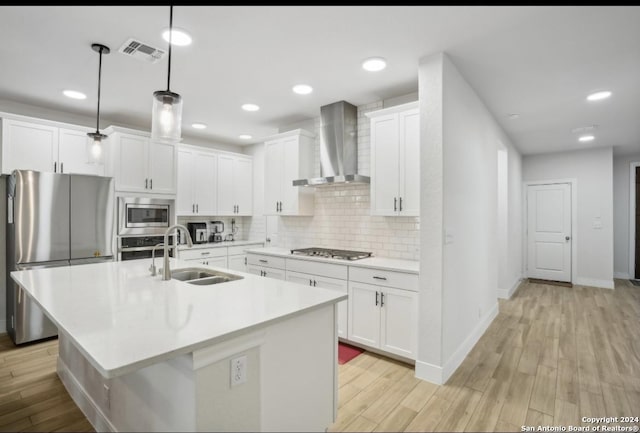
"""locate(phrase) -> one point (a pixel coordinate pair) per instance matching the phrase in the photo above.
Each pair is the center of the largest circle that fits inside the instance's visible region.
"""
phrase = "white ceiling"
(538, 61)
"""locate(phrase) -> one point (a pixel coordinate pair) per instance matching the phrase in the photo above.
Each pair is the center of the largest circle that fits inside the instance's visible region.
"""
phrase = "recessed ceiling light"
(73, 94)
(245, 136)
(513, 116)
(597, 96)
(198, 125)
(302, 89)
(374, 64)
(250, 107)
(586, 138)
(179, 37)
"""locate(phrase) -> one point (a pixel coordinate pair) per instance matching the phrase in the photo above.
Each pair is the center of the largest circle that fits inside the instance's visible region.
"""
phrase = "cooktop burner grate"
(331, 253)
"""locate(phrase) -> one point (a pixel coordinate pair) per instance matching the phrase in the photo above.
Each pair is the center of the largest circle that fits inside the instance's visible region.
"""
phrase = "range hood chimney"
(338, 147)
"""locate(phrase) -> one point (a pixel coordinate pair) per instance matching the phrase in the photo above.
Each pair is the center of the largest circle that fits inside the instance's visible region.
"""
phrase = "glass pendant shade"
(95, 147)
(166, 122)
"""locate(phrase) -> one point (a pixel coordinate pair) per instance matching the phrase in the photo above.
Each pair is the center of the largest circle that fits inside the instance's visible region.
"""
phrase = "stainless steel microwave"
(144, 216)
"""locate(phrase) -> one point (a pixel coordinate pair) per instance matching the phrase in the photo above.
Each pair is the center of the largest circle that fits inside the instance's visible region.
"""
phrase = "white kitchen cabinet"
(266, 266)
(288, 156)
(381, 316)
(212, 261)
(141, 165)
(196, 191)
(237, 258)
(235, 185)
(30, 145)
(326, 283)
(395, 160)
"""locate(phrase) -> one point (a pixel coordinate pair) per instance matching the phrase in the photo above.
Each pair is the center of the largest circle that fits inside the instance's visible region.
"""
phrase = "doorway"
(549, 231)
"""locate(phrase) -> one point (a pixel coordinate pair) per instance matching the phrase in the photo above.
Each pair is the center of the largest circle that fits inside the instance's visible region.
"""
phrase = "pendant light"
(94, 147)
(166, 123)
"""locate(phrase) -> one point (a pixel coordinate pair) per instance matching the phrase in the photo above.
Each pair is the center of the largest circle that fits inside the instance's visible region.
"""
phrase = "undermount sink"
(202, 276)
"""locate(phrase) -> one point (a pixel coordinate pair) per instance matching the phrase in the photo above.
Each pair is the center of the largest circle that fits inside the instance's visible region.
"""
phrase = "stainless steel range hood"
(338, 147)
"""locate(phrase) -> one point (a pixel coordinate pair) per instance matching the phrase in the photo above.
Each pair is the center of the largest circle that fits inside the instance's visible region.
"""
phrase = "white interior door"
(549, 231)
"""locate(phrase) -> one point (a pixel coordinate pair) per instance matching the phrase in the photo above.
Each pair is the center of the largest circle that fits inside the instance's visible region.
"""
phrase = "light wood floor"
(553, 355)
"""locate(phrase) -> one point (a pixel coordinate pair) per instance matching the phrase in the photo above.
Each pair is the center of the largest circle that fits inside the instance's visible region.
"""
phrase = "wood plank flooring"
(552, 355)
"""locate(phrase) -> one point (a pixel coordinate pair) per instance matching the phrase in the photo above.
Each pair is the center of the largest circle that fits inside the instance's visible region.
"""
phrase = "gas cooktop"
(332, 254)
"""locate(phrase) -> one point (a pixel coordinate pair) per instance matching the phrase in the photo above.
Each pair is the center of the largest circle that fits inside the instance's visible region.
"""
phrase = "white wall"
(621, 235)
(593, 170)
(459, 189)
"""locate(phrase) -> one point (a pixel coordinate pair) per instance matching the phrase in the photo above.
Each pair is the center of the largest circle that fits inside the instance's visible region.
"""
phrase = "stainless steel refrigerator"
(53, 220)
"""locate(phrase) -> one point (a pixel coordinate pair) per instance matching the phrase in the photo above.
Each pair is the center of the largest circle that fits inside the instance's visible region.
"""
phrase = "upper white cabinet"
(197, 192)
(235, 185)
(141, 165)
(288, 156)
(395, 160)
(46, 147)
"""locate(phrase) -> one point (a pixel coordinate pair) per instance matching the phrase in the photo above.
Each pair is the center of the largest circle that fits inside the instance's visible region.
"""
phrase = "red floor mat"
(346, 353)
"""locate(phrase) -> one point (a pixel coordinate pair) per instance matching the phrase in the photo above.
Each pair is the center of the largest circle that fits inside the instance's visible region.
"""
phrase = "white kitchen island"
(141, 354)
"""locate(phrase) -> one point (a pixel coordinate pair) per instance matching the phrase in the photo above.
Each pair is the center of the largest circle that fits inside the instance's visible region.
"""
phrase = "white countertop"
(220, 244)
(122, 319)
(409, 266)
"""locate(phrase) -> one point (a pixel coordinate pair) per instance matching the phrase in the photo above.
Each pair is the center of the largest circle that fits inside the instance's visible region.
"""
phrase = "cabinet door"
(255, 270)
(72, 153)
(243, 186)
(273, 164)
(297, 277)
(237, 262)
(185, 204)
(343, 306)
(131, 162)
(278, 274)
(290, 172)
(384, 165)
(28, 146)
(226, 193)
(399, 322)
(409, 163)
(364, 314)
(162, 168)
(205, 169)
(220, 262)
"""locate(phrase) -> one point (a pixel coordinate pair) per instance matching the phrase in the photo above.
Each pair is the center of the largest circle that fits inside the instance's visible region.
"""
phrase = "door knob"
(566, 238)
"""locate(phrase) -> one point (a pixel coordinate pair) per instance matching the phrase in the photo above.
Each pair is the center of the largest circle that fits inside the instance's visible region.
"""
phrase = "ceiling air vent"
(142, 51)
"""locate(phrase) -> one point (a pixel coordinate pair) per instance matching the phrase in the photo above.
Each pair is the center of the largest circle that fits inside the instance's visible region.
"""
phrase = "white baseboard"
(507, 293)
(591, 282)
(429, 372)
(439, 375)
(84, 401)
(623, 275)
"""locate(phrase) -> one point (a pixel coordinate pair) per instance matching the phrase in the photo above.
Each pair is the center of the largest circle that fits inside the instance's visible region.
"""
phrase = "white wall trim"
(507, 293)
(574, 223)
(592, 282)
(83, 400)
(623, 275)
(632, 217)
(429, 372)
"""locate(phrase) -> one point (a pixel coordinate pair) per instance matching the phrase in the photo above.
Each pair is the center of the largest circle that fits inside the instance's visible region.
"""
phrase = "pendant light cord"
(99, 81)
(170, 43)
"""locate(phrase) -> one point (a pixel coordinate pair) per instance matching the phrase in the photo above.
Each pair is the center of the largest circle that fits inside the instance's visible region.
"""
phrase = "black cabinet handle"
(151, 187)
(314, 283)
(310, 281)
(395, 204)
(376, 297)
(400, 204)
(263, 261)
(55, 167)
(197, 208)
(62, 167)
(276, 206)
(381, 299)
(380, 278)
(245, 261)
(146, 184)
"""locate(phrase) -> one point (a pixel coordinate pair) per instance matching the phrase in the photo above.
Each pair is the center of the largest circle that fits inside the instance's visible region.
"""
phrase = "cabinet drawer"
(202, 253)
(330, 270)
(401, 280)
(240, 249)
(265, 260)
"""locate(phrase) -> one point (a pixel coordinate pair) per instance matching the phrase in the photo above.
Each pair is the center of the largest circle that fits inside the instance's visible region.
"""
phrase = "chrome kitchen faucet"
(166, 272)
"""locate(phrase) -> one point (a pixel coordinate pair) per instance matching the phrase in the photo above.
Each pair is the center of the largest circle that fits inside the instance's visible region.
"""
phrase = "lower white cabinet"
(264, 271)
(384, 318)
(326, 283)
(237, 258)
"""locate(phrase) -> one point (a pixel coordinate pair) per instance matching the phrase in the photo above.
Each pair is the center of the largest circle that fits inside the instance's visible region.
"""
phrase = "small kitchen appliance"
(332, 254)
(217, 228)
(198, 232)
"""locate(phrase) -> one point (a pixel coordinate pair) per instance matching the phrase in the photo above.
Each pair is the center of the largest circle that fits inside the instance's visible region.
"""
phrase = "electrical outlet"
(238, 370)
